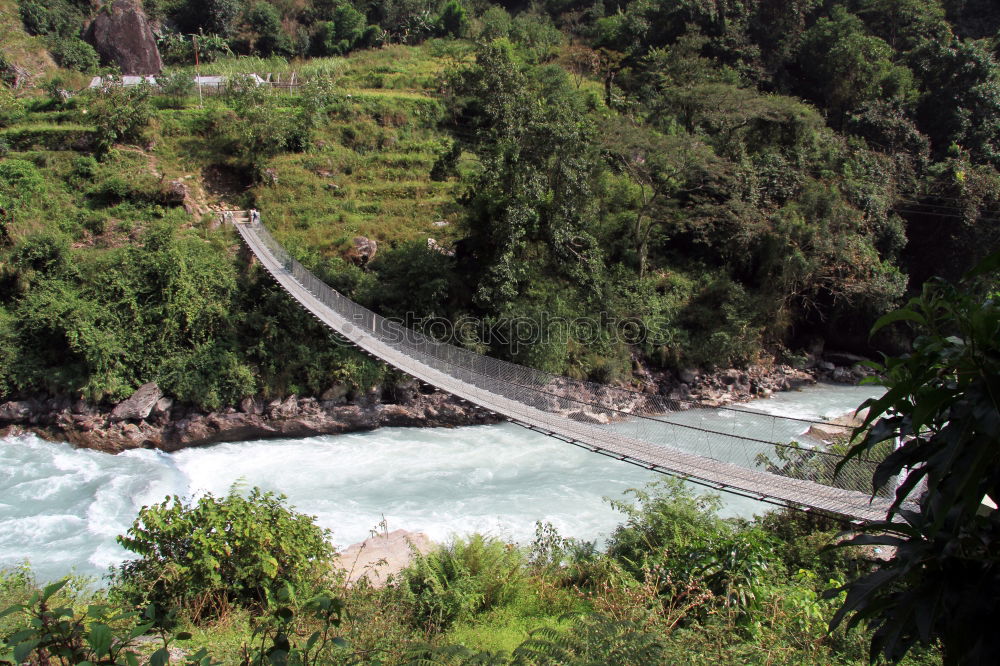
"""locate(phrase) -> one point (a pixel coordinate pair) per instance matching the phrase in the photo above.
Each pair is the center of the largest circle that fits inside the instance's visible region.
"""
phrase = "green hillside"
(713, 204)
(17, 45)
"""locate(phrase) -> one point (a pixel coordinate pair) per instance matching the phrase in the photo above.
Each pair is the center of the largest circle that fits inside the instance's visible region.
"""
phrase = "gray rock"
(363, 250)
(163, 406)
(175, 192)
(730, 377)
(15, 411)
(826, 365)
(382, 556)
(842, 375)
(58, 404)
(138, 405)
(121, 35)
(827, 432)
(372, 396)
(843, 358)
(688, 376)
(589, 417)
(286, 409)
(680, 392)
(796, 379)
(336, 393)
(405, 392)
(251, 406)
(434, 246)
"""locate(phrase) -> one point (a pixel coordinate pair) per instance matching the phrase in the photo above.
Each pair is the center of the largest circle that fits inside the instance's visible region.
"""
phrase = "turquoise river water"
(61, 508)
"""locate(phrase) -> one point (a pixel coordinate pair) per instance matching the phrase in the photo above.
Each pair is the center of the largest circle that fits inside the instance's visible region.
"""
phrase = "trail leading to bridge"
(647, 430)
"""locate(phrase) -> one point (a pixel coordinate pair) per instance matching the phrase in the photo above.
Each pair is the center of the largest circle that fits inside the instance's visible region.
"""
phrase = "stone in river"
(138, 405)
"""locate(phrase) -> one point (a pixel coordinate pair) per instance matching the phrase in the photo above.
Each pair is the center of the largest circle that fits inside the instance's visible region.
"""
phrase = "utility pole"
(197, 70)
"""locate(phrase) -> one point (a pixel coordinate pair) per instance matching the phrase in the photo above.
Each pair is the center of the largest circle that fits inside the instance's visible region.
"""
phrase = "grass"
(19, 47)
(367, 174)
(40, 125)
(394, 67)
(503, 629)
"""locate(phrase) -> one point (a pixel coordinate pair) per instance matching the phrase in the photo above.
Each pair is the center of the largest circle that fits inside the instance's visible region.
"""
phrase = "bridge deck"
(654, 456)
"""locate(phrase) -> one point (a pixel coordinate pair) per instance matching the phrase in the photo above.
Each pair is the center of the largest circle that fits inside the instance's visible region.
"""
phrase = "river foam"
(61, 508)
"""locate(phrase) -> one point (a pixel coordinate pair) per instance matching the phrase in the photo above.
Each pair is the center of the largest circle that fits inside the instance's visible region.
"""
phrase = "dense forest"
(734, 181)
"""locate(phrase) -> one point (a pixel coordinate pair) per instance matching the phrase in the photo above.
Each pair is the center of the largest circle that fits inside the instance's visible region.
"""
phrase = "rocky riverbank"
(149, 419)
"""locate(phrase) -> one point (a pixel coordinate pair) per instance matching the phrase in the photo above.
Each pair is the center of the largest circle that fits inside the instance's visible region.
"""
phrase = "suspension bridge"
(650, 431)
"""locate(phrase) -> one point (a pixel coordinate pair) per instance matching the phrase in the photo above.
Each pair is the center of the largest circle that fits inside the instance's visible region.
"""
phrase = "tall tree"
(961, 99)
(846, 66)
(532, 185)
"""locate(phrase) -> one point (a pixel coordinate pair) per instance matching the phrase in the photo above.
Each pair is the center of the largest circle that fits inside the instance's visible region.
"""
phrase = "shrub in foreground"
(204, 557)
(468, 577)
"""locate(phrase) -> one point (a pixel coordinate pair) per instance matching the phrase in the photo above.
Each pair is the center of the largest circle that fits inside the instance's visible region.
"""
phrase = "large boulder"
(382, 555)
(362, 250)
(16, 411)
(139, 405)
(121, 34)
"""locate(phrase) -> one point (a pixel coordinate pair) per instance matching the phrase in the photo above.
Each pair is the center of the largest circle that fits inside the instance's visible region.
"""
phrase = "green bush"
(264, 20)
(8, 348)
(453, 21)
(536, 34)
(412, 280)
(49, 138)
(74, 53)
(593, 639)
(120, 114)
(803, 541)
(176, 85)
(340, 35)
(209, 376)
(177, 49)
(42, 252)
(217, 552)
(54, 17)
(674, 533)
(20, 180)
(11, 109)
(496, 24)
(84, 167)
(461, 580)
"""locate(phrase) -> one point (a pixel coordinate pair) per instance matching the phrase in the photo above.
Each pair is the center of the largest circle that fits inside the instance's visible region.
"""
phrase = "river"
(61, 508)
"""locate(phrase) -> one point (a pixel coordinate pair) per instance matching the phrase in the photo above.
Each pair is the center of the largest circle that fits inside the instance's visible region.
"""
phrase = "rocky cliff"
(121, 35)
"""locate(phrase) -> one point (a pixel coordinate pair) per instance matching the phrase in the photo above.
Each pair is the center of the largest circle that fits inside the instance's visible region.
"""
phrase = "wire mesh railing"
(644, 422)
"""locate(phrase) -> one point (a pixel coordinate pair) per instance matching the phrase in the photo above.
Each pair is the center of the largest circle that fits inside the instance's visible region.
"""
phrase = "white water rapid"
(61, 508)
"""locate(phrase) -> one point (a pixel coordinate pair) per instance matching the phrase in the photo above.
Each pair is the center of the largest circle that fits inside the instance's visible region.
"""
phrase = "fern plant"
(462, 579)
(592, 639)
